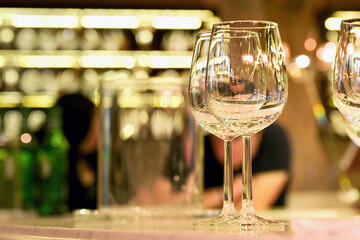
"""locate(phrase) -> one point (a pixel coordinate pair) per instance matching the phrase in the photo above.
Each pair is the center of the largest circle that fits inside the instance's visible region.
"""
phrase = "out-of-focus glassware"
(26, 39)
(52, 166)
(247, 91)
(10, 178)
(150, 150)
(67, 39)
(91, 39)
(47, 39)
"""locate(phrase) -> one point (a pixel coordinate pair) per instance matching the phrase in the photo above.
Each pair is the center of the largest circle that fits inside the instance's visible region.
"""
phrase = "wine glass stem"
(228, 205)
(247, 203)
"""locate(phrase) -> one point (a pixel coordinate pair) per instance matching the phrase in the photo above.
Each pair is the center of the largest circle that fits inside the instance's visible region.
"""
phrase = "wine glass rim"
(266, 24)
(205, 34)
(351, 21)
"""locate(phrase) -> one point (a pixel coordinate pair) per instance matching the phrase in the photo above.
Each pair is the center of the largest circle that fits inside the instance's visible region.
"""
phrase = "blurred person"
(80, 129)
(271, 153)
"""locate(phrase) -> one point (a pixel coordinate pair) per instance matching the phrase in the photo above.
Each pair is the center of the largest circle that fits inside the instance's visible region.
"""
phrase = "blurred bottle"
(47, 39)
(10, 197)
(28, 152)
(26, 39)
(53, 162)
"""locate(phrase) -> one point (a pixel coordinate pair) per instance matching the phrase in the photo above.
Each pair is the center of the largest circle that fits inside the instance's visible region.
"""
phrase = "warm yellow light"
(44, 21)
(2, 61)
(45, 61)
(11, 77)
(294, 71)
(248, 58)
(327, 52)
(39, 101)
(176, 22)
(169, 61)
(107, 62)
(302, 61)
(127, 131)
(333, 23)
(141, 100)
(131, 22)
(144, 36)
(310, 44)
(10, 99)
(6, 35)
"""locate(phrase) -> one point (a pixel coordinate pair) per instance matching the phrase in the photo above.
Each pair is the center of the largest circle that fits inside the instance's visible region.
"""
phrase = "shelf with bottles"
(99, 38)
(48, 52)
(101, 29)
(95, 59)
(34, 85)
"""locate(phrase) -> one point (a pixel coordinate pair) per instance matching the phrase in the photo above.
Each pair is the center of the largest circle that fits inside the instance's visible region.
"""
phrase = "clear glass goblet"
(247, 91)
(346, 72)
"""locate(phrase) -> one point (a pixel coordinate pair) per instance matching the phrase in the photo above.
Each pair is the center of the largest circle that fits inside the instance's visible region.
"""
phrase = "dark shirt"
(274, 154)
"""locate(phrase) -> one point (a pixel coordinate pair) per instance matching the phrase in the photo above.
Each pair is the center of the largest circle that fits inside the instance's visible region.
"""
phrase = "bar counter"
(302, 224)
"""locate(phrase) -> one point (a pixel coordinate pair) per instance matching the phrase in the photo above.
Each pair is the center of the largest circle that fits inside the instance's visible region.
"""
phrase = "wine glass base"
(220, 220)
(253, 222)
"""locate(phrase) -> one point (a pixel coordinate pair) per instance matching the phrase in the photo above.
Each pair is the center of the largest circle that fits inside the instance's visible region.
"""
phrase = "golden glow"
(169, 22)
(327, 52)
(10, 99)
(127, 131)
(131, 22)
(302, 61)
(144, 36)
(333, 23)
(294, 70)
(140, 100)
(248, 58)
(107, 18)
(39, 101)
(6, 35)
(10, 77)
(107, 62)
(319, 111)
(2, 61)
(98, 59)
(44, 21)
(169, 61)
(32, 61)
(310, 44)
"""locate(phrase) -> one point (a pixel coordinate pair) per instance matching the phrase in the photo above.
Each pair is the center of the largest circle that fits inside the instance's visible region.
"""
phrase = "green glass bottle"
(28, 152)
(3, 155)
(53, 162)
(10, 176)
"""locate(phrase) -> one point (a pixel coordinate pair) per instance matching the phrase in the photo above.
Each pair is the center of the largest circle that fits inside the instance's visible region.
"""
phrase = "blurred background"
(52, 48)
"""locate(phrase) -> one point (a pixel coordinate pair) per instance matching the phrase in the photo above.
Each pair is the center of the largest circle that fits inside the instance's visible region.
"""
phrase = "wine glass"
(346, 72)
(346, 88)
(247, 91)
(207, 120)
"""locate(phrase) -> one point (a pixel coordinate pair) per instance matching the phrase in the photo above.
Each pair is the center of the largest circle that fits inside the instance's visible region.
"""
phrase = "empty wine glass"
(207, 120)
(346, 72)
(247, 91)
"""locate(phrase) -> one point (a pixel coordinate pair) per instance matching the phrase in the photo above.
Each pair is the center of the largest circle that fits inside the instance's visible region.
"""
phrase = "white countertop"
(17, 225)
